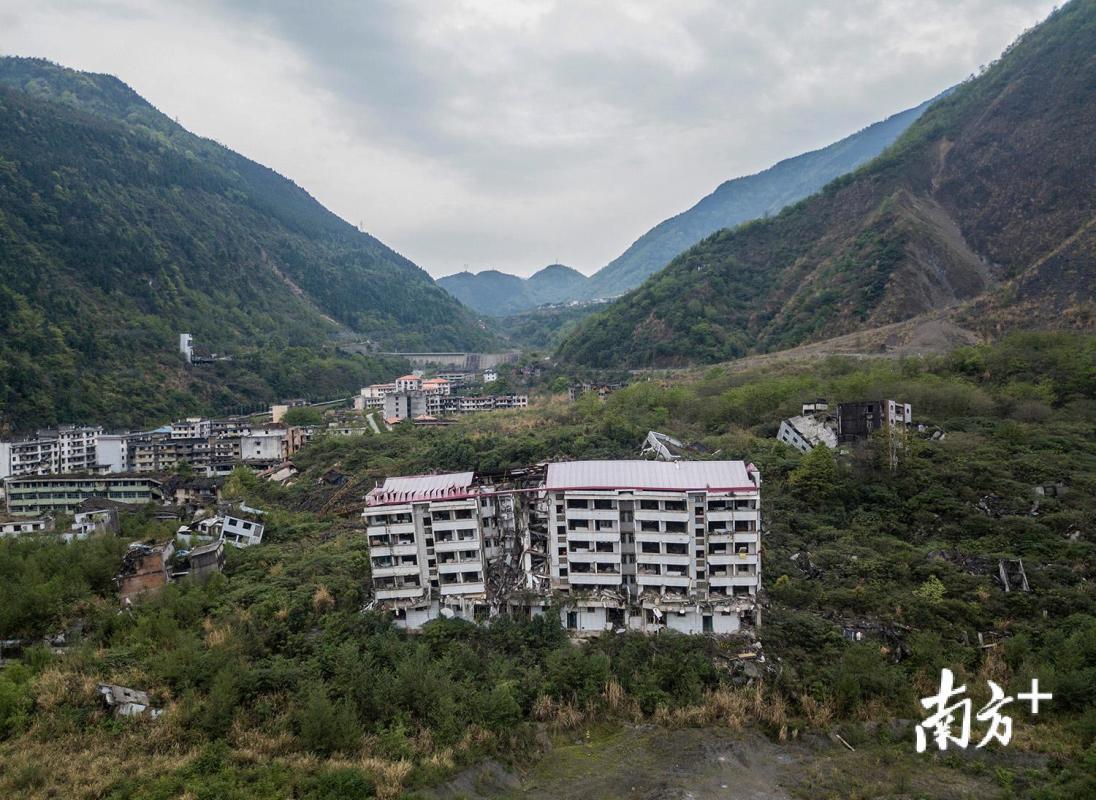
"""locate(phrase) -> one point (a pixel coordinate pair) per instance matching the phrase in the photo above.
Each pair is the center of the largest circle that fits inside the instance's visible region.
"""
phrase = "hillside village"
(794, 498)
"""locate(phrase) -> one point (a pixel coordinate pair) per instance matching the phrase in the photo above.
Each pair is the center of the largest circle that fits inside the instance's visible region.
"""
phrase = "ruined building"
(612, 544)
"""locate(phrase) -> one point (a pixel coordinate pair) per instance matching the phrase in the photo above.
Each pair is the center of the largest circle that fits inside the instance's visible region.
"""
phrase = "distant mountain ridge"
(119, 229)
(743, 199)
(985, 206)
(499, 293)
(732, 203)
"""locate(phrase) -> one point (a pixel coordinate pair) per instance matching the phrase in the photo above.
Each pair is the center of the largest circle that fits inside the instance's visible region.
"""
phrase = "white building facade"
(642, 545)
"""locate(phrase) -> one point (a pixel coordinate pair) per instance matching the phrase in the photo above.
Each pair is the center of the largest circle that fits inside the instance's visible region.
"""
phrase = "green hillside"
(987, 197)
(743, 199)
(119, 229)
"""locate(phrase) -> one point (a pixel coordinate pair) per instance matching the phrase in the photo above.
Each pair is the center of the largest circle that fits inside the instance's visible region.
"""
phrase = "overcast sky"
(510, 134)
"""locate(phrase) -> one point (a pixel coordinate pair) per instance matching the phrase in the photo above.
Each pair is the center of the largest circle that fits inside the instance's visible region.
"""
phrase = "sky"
(511, 134)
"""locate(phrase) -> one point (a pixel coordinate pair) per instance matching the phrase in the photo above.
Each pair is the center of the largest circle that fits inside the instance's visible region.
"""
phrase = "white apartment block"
(651, 544)
(430, 538)
(68, 449)
(409, 383)
(644, 545)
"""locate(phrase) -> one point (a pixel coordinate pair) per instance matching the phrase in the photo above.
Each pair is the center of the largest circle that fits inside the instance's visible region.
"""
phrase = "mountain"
(733, 202)
(743, 199)
(985, 207)
(499, 293)
(556, 284)
(119, 229)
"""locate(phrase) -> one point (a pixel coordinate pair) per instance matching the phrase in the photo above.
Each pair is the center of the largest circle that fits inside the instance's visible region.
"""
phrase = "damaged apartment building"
(644, 545)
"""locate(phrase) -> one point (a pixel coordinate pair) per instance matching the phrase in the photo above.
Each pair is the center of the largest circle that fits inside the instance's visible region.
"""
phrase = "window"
(648, 526)
(675, 505)
(648, 505)
(604, 505)
(578, 504)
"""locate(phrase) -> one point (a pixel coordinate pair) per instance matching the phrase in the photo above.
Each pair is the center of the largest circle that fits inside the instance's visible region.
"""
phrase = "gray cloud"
(510, 133)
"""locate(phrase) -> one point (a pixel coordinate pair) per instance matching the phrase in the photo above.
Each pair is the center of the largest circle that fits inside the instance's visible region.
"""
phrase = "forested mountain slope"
(988, 197)
(119, 229)
(743, 199)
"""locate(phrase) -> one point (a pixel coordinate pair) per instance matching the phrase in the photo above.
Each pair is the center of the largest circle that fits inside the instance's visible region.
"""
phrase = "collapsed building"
(644, 545)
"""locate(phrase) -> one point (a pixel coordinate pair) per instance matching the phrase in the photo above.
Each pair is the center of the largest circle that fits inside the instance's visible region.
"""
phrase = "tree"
(817, 480)
(303, 416)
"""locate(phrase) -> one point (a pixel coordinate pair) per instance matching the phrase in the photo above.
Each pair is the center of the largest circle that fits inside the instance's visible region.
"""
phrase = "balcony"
(664, 537)
(592, 556)
(727, 579)
(379, 550)
(444, 546)
(593, 513)
(456, 567)
(645, 579)
(400, 593)
(595, 578)
(472, 587)
(397, 570)
(664, 558)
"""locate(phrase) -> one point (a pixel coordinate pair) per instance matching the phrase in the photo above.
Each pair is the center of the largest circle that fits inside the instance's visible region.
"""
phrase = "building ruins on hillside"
(644, 545)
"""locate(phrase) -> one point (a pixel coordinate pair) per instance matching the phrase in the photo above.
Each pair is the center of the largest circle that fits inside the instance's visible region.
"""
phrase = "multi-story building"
(860, 420)
(44, 494)
(373, 396)
(436, 386)
(429, 540)
(263, 445)
(402, 405)
(409, 383)
(616, 544)
(651, 544)
(112, 452)
(70, 448)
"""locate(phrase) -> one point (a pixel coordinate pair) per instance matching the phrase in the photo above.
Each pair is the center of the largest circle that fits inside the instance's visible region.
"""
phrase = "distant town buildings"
(426, 399)
(612, 544)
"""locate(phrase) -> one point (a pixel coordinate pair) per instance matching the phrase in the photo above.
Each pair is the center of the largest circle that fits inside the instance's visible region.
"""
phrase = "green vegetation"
(742, 199)
(274, 681)
(119, 230)
(933, 222)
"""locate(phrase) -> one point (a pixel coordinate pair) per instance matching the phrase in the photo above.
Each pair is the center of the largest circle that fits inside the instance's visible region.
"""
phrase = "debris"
(1012, 576)
(840, 739)
(125, 702)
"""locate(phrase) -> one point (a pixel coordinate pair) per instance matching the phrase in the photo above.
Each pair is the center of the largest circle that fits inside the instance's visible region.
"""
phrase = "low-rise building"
(10, 526)
(145, 570)
(241, 532)
(53, 494)
(490, 375)
(192, 428)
